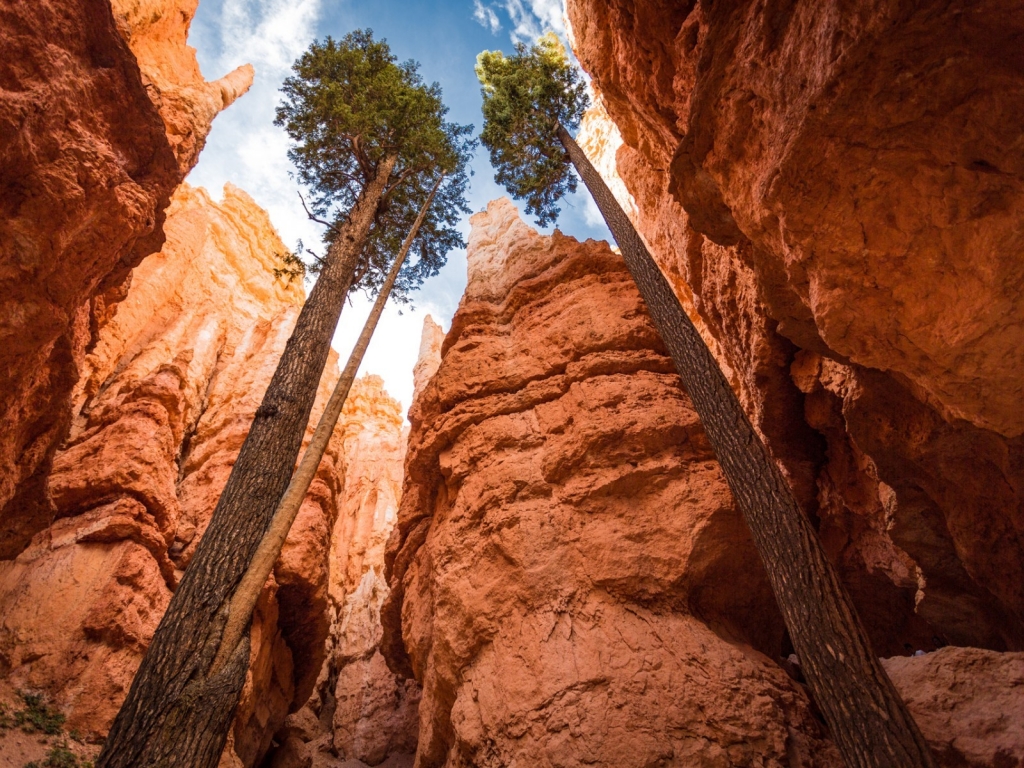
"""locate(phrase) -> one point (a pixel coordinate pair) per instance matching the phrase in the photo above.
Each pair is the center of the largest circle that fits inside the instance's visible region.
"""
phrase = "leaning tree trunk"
(869, 721)
(244, 599)
(177, 713)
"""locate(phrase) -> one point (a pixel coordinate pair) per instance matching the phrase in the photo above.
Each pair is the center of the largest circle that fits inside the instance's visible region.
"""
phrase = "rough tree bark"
(176, 712)
(245, 596)
(869, 722)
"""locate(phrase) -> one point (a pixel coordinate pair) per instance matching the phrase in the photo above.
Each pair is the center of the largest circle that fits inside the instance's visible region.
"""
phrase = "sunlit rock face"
(375, 712)
(102, 113)
(429, 358)
(165, 399)
(570, 579)
(837, 195)
(359, 710)
(157, 32)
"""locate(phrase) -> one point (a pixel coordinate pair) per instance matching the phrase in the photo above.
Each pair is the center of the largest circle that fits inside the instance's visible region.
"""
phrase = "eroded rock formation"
(571, 582)
(836, 194)
(102, 113)
(165, 400)
(360, 710)
(429, 358)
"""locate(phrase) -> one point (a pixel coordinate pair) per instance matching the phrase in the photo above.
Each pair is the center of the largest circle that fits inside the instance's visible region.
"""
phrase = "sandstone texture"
(570, 579)
(836, 194)
(165, 400)
(102, 113)
(359, 711)
(429, 358)
(967, 702)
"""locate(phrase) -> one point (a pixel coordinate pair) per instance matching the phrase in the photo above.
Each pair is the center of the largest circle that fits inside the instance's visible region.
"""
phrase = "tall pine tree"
(531, 100)
(369, 136)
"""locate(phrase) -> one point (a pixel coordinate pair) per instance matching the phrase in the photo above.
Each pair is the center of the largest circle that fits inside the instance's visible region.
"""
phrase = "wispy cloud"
(525, 26)
(528, 19)
(486, 17)
(551, 14)
(272, 32)
(245, 147)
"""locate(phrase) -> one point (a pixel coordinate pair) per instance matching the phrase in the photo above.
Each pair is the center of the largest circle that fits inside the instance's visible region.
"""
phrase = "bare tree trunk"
(244, 599)
(869, 722)
(176, 712)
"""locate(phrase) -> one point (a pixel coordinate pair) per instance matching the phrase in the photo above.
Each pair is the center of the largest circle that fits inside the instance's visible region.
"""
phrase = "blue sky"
(246, 149)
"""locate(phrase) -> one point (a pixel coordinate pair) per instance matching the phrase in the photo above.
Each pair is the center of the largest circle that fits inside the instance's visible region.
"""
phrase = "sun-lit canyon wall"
(165, 400)
(836, 194)
(103, 111)
(571, 581)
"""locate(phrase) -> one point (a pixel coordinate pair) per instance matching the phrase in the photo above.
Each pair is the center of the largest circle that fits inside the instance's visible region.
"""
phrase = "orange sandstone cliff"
(558, 576)
(836, 194)
(571, 581)
(359, 710)
(102, 113)
(165, 400)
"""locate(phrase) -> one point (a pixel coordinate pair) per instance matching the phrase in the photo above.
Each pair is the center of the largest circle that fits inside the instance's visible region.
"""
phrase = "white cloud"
(245, 147)
(525, 26)
(532, 18)
(591, 213)
(271, 32)
(395, 345)
(528, 19)
(486, 17)
(551, 14)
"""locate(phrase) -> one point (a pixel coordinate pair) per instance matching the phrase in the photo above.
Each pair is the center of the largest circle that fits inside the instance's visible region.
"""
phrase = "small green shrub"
(60, 757)
(37, 716)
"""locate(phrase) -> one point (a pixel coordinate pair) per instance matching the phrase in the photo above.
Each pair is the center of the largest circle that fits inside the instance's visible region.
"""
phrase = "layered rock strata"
(836, 196)
(571, 581)
(360, 710)
(165, 400)
(102, 113)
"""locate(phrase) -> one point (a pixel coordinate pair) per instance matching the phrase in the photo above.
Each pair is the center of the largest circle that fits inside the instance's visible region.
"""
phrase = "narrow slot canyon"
(537, 559)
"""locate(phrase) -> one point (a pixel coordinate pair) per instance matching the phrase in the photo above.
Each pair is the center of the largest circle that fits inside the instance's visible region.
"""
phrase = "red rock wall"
(165, 400)
(836, 190)
(359, 710)
(571, 581)
(102, 113)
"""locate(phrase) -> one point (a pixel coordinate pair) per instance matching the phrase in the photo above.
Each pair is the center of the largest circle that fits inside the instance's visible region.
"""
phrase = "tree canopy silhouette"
(526, 97)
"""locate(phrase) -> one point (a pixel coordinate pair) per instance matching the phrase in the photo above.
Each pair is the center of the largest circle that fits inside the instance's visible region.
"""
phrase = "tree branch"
(314, 218)
(398, 182)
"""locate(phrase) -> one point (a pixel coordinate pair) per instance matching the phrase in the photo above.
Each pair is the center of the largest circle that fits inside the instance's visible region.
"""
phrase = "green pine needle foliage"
(525, 97)
(438, 234)
(350, 105)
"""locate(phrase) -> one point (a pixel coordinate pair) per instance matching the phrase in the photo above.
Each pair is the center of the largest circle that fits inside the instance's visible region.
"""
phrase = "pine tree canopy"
(437, 234)
(350, 105)
(526, 96)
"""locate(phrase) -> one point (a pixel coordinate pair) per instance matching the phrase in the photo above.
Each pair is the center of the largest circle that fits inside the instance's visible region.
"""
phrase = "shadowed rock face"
(836, 194)
(360, 710)
(571, 582)
(102, 113)
(164, 402)
(965, 701)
